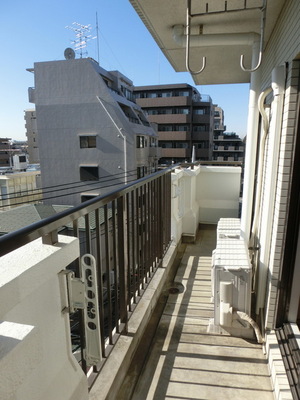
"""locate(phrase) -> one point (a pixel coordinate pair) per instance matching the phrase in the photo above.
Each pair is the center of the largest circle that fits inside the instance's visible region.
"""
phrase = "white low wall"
(36, 361)
(203, 195)
(218, 191)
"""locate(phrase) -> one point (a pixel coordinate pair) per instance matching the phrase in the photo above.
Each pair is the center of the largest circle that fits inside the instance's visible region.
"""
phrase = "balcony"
(172, 152)
(174, 135)
(170, 118)
(164, 101)
(201, 118)
(134, 235)
(200, 135)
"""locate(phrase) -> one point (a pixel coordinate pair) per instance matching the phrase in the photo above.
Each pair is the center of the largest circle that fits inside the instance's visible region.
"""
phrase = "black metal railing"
(128, 232)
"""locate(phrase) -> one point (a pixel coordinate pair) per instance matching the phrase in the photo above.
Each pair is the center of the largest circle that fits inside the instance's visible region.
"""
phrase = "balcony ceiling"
(222, 62)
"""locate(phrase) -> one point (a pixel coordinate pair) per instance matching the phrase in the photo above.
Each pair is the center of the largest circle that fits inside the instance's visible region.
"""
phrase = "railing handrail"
(16, 239)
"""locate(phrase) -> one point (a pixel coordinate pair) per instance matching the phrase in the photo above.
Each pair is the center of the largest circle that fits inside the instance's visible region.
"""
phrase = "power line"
(10, 196)
(67, 194)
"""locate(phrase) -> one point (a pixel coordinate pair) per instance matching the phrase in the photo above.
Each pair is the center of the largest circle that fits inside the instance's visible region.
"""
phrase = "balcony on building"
(168, 152)
(171, 135)
(155, 214)
(170, 118)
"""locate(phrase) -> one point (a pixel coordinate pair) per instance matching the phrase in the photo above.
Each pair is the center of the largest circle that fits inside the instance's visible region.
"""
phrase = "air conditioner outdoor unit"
(231, 281)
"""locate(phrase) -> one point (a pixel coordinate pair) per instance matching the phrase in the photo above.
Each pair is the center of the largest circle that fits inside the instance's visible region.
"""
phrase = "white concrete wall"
(218, 190)
(36, 361)
(203, 195)
(283, 49)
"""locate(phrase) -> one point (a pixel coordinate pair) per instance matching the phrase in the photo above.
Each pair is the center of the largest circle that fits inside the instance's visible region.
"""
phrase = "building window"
(181, 145)
(201, 111)
(200, 128)
(86, 197)
(141, 142)
(87, 142)
(166, 94)
(89, 173)
(141, 172)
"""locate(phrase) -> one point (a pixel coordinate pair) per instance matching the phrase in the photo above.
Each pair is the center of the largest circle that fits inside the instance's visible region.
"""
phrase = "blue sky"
(35, 30)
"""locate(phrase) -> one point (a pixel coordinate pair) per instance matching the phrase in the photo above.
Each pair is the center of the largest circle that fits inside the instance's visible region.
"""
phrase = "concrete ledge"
(18, 356)
(278, 374)
(115, 368)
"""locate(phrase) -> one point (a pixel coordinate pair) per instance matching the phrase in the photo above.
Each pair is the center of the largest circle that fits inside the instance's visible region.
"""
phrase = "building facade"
(32, 136)
(5, 148)
(19, 188)
(184, 118)
(228, 146)
(92, 136)
(219, 118)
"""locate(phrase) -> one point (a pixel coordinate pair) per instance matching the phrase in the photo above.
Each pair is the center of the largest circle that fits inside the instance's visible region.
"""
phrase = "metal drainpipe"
(251, 147)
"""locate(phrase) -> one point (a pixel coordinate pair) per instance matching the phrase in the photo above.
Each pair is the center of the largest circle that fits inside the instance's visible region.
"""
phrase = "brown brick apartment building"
(185, 119)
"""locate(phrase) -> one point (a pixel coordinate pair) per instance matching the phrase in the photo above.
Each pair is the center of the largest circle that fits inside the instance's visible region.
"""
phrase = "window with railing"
(201, 128)
(167, 110)
(129, 113)
(141, 142)
(201, 111)
(127, 93)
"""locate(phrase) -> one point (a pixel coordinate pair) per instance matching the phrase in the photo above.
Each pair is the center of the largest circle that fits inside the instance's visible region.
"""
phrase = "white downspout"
(260, 167)
(121, 134)
(278, 86)
(251, 147)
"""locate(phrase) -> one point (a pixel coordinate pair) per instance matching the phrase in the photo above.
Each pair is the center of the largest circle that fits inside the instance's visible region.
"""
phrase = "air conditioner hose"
(251, 321)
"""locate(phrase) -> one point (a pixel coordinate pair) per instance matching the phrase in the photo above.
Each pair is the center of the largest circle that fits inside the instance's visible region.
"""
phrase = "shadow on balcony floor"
(183, 361)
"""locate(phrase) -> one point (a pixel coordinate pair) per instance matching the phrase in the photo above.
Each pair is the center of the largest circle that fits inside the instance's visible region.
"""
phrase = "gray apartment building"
(92, 136)
(185, 119)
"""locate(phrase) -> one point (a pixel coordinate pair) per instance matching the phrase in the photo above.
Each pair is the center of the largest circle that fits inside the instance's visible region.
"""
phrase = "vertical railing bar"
(87, 233)
(148, 237)
(122, 249)
(133, 238)
(164, 210)
(137, 241)
(157, 222)
(115, 305)
(169, 205)
(130, 256)
(160, 212)
(154, 222)
(142, 238)
(129, 249)
(100, 281)
(107, 272)
(152, 194)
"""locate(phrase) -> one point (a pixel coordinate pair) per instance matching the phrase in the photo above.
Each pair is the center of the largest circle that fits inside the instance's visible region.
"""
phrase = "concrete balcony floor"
(183, 361)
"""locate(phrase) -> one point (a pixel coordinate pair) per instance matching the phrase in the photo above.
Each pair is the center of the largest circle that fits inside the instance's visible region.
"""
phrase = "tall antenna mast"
(97, 31)
(82, 37)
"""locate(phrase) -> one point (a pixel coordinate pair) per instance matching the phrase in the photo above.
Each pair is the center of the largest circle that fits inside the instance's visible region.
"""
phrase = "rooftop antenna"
(82, 37)
(97, 31)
